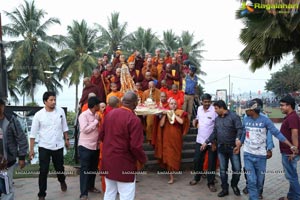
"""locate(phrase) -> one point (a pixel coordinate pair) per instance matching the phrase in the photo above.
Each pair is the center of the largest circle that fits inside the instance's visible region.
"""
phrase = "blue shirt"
(270, 143)
(255, 134)
(190, 84)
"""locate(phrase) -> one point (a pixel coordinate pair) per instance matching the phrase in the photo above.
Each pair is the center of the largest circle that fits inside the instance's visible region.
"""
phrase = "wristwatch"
(293, 147)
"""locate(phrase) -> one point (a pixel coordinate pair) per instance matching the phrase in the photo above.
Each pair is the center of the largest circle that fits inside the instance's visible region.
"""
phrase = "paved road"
(153, 186)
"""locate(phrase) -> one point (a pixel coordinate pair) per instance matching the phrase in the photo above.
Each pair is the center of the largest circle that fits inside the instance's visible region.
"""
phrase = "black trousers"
(57, 157)
(88, 169)
(199, 160)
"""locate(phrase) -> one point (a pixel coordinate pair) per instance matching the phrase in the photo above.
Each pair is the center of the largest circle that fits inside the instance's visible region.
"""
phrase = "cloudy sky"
(211, 21)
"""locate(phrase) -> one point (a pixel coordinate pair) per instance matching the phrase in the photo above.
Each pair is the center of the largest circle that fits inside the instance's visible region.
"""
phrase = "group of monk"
(159, 78)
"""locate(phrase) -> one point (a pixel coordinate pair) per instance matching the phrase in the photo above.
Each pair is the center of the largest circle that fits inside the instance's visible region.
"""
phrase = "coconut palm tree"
(31, 52)
(143, 40)
(13, 89)
(194, 50)
(76, 58)
(269, 35)
(170, 41)
(115, 34)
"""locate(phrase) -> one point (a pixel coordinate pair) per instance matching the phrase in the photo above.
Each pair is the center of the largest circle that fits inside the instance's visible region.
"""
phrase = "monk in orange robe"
(160, 67)
(101, 114)
(168, 57)
(163, 86)
(156, 58)
(163, 104)
(176, 94)
(168, 146)
(139, 92)
(154, 94)
(131, 58)
(114, 92)
(150, 68)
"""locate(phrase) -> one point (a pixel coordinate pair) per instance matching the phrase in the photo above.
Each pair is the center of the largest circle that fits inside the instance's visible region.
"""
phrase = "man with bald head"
(98, 80)
(176, 94)
(122, 149)
(113, 102)
(154, 94)
(146, 81)
(88, 88)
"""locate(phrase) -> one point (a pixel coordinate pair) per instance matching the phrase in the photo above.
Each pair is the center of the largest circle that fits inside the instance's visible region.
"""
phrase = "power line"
(226, 77)
(252, 79)
(226, 60)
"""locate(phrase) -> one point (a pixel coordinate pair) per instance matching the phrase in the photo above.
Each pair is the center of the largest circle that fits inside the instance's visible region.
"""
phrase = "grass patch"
(274, 112)
(32, 171)
(29, 171)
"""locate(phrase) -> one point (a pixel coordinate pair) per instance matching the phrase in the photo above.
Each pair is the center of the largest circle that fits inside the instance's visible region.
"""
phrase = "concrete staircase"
(188, 152)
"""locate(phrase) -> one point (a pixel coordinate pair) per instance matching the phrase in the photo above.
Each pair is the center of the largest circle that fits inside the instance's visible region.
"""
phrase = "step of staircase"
(188, 151)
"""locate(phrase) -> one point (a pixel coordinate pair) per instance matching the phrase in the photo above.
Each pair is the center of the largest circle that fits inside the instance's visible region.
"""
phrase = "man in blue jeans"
(254, 136)
(270, 146)
(227, 131)
(290, 129)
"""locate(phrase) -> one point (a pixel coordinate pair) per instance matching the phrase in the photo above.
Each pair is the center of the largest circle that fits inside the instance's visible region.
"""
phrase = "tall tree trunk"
(31, 87)
(32, 93)
(76, 97)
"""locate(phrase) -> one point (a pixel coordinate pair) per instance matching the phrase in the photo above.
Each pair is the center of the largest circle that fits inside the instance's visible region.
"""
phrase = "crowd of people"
(112, 135)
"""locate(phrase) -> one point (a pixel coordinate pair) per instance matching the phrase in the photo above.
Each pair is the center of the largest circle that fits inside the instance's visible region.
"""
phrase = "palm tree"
(170, 41)
(268, 35)
(194, 50)
(142, 40)
(13, 86)
(114, 35)
(33, 53)
(76, 59)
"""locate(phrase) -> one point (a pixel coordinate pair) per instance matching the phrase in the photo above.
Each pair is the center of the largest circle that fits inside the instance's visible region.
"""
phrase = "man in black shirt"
(227, 131)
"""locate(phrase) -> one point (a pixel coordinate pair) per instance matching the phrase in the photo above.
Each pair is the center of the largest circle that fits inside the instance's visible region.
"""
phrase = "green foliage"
(76, 59)
(69, 157)
(32, 54)
(71, 117)
(268, 36)
(115, 34)
(35, 104)
(284, 81)
(142, 40)
(274, 112)
(29, 171)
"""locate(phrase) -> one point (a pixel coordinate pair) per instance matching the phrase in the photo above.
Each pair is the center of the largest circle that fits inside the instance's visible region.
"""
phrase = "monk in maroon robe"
(122, 144)
(98, 80)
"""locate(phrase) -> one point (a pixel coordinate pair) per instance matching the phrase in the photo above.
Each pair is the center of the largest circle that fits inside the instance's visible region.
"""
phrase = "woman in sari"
(173, 125)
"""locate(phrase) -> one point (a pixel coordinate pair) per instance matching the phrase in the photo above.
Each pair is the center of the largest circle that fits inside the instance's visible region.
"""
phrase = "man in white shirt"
(205, 119)
(51, 126)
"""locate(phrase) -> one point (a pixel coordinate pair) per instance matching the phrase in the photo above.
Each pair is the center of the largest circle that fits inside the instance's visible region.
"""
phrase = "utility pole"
(229, 89)
(3, 70)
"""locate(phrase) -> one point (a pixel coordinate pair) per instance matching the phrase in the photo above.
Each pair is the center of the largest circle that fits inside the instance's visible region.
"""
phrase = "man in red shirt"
(122, 149)
(290, 129)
